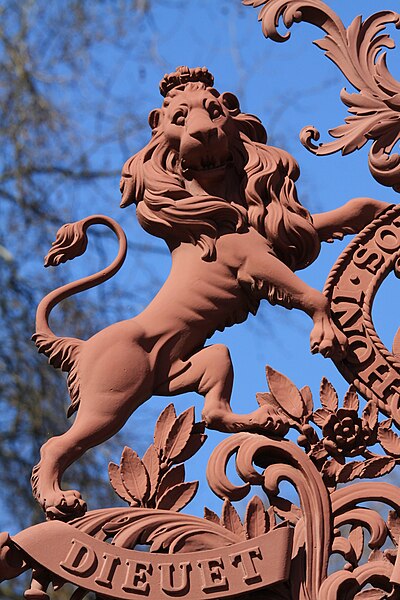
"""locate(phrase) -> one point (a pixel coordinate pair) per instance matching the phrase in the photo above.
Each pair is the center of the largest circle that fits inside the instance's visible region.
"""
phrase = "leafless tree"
(58, 65)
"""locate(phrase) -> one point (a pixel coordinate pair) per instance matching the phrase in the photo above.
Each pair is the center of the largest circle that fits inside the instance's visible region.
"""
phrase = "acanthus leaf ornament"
(358, 51)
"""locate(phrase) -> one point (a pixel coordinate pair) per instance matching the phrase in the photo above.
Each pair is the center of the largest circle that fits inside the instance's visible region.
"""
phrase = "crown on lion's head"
(154, 180)
(184, 75)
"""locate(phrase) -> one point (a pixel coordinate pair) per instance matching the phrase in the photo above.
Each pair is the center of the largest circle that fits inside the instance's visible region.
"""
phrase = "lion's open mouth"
(207, 164)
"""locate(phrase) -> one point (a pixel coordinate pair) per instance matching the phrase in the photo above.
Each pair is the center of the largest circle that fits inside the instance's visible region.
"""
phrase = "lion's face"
(207, 170)
(197, 125)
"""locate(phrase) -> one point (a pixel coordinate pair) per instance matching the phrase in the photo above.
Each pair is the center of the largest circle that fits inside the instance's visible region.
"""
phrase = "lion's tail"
(71, 241)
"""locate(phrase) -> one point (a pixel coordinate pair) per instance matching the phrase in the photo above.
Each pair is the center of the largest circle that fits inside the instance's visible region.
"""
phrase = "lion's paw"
(327, 339)
(64, 505)
(267, 419)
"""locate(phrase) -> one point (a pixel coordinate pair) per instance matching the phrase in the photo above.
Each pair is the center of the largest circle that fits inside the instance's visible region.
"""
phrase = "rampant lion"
(226, 205)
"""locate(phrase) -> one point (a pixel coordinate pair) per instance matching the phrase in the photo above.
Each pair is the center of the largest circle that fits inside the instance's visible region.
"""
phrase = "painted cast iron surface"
(226, 205)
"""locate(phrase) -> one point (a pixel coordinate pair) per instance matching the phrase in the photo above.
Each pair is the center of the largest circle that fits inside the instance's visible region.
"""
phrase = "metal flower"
(345, 433)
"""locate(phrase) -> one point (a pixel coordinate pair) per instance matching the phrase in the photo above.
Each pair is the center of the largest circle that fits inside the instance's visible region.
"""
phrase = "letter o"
(387, 238)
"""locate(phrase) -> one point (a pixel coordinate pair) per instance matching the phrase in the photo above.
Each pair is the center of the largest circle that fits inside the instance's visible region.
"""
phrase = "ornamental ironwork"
(226, 204)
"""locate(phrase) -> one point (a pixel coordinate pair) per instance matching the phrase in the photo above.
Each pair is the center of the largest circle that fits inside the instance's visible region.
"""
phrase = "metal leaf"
(286, 510)
(179, 434)
(370, 414)
(320, 416)
(328, 395)
(285, 393)
(351, 400)
(134, 475)
(195, 442)
(266, 399)
(330, 471)
(170, 479)
(231, 520)
(152, 463)
(389, 441)
(356, 539)
(163, 427)
(350, 471)
(210, 515)
(116, 482)
(255, 518)
(377, 467)
(306, 395)
(179, 496)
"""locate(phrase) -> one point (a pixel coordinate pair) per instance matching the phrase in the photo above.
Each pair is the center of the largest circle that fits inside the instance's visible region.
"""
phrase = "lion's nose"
(202, 131)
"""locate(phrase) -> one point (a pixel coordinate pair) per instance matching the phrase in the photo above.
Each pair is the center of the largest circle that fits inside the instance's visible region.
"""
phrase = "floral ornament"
(158, 479)
(345, 433)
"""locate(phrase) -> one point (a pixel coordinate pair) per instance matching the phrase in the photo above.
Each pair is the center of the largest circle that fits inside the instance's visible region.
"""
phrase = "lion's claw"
(327, 339)
(64, 505)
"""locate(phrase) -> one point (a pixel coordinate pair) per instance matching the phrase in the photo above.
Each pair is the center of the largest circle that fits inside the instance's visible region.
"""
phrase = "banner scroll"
(106, 569)
(351, 288)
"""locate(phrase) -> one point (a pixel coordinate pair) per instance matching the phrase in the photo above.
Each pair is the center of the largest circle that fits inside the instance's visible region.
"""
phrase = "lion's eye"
(179, 118)
(214, 110)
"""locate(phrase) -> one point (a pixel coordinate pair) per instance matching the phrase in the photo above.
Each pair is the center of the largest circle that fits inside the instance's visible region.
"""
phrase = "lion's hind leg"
(58, 453)
(209, 372)
(115, 378)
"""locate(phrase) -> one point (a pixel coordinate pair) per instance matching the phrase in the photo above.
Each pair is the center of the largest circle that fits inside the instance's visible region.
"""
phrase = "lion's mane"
(152, 181)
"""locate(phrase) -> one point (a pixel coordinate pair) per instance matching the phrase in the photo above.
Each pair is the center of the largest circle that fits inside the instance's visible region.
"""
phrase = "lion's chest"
(211, 293)
(215, 294)
(200, 297)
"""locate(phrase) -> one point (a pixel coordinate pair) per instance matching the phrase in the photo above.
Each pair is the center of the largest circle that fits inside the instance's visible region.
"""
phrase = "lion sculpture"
(226, 205)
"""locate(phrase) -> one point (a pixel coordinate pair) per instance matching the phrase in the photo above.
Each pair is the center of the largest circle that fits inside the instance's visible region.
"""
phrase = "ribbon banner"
(109, 570)
(351, 289)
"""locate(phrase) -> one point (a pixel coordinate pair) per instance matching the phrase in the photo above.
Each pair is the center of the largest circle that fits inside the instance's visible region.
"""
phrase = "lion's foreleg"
(282, 286)
(352, 217)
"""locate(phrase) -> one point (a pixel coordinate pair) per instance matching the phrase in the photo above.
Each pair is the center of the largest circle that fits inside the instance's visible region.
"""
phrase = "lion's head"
(207, 170)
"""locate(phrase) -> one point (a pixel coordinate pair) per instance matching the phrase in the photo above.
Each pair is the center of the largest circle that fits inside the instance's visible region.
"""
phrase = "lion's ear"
(231, 102)
(154, 118)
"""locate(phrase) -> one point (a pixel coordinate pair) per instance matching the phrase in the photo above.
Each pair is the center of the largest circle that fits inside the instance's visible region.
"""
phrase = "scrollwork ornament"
(358, 51)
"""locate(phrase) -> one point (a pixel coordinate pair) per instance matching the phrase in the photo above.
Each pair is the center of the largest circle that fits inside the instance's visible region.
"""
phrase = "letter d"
(81, 560)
